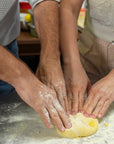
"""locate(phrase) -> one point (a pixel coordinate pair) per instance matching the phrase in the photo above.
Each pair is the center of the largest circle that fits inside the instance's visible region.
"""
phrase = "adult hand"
(44, 101)
(76, 83)
(50, 73)
(101, 95)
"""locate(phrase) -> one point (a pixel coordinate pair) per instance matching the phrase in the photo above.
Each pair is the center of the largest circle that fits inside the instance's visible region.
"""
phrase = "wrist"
(25, 77)
(49, 54)
(22, 73)
(73, 60)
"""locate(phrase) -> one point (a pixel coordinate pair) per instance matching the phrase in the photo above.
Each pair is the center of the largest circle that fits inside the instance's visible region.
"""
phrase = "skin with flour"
(23, 80)
(27, 85)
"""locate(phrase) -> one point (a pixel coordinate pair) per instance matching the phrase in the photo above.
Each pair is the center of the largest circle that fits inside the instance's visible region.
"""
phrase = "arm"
(69, 11)
(75, 76)
(46, 21)
(46, 16)
(41, 98)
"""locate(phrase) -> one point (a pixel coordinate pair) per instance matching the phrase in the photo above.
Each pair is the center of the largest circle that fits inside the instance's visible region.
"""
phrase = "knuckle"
(59, 84)
(101, 91)
(108, 101)
(82, 88)
(54, 116)
(100, 104)
(61, 111)
(74, 86)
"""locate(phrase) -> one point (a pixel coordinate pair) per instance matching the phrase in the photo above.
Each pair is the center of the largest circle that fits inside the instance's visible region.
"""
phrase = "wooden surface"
(28, 45)
(26, 38)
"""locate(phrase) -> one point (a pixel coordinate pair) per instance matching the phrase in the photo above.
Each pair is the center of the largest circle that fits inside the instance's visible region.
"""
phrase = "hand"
(50, 73)
(101, 95)
(76, 83)
(44, 101)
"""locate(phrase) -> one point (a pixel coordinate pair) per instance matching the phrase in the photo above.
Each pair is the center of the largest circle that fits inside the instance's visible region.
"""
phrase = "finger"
(91, 101)
(94, 102)
(98, 107)
(81, 99)
(69, 97)
(64, 117)
(45, 117)
(104, 108)
(74, 103)
(66, 104)
(88, 101)
(64, 94)
(55, 118)
(60, 95)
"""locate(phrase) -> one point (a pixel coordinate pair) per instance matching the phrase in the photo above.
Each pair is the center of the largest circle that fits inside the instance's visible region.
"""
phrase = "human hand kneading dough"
(77, 82)
(101, 95)
(44, 101)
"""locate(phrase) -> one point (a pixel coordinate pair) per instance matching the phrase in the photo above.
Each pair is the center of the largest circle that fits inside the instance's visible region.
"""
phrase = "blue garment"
(6, 88)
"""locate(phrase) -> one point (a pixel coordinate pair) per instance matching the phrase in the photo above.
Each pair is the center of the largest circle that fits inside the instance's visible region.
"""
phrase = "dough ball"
(81, 126)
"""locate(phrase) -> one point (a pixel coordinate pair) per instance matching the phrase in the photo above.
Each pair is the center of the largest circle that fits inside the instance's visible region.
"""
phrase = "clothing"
(33, 3)
(100, 19)
(95, 45)
(6, 88)
(97, 55)
(9, 19)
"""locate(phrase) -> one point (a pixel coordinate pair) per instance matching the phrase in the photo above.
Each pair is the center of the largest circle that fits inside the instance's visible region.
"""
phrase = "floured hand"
(43, 100)
(50, 73)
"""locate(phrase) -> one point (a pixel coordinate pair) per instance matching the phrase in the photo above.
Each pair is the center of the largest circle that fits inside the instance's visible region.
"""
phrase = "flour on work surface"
(19, 124)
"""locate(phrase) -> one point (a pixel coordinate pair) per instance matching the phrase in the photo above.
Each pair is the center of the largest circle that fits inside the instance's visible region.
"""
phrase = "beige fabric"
(97, 56)
(100, 19)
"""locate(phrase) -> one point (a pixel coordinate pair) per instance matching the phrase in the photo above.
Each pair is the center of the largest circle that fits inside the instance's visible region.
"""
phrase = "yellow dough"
(81, 126)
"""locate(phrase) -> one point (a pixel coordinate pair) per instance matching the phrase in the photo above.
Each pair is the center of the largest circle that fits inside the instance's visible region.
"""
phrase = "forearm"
(47, 25)
(69, 33)
(12, 70)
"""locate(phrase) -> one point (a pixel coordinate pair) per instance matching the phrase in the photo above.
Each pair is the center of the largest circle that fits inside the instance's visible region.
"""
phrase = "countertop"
(20, 124)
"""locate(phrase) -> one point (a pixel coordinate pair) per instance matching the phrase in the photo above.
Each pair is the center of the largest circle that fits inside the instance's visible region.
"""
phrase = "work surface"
(19, 124)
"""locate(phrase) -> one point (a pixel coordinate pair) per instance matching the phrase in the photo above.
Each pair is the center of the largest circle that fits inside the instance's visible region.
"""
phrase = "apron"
(96, 46)
(97, 55)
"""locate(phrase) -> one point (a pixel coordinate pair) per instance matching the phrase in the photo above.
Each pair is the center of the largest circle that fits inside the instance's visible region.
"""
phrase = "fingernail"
(69, 125)
(73, 112)
(100, 115)
(92, 116)
(81, 111)
(62, 128)
(68, 112)
(86, 114)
